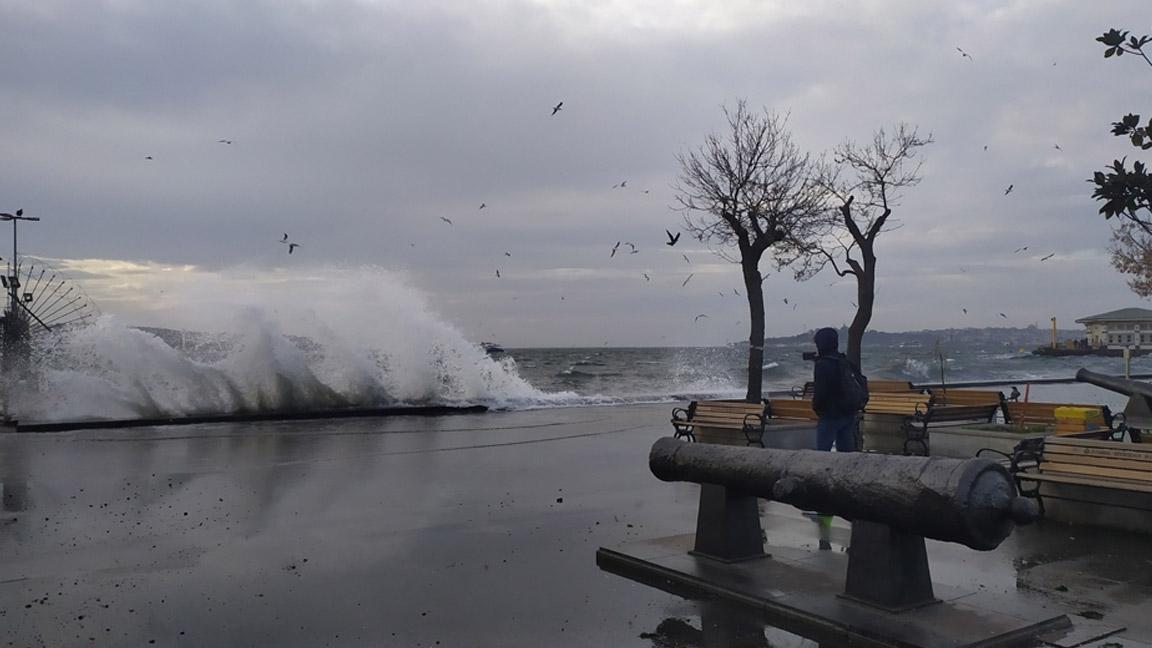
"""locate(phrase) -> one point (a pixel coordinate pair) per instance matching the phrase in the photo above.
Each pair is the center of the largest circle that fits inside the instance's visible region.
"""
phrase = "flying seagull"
(687, 280)
(965, 310)
(672, 240)
(1003, 315)
(785, 300)
(292, 246)
(685, 258)
(614, 249)
(285, 239)
(1045, 258)
(147, 157)
(964, 54)
(646, 277)
(634, 250)
(497, 273)
(1020, 249)
(223, 141)
(736, 292)
(1008, 190)
(1057, 147)
(446, 220)
(507, 254)
(557, 108)
(699, 316)
(483, 205)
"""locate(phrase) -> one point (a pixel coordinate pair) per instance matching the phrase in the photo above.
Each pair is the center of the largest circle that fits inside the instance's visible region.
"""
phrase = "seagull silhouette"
(483, 205)
(446, 220)
(1003, 315)
(688, 279)
(672, 240)
(1045, 258)
(697, 319)
(785, 300)
(223, 141)
(1057, 147)
(736, 292)
(497, 273)
(964, 54)
(1008, 190)
(1020, 249)
(147, 157)
(614, 249)
(285, 239)
(292, 246)
(646, 277)
(634, 250)
(965, 310)
(557, 108)
(507, 254)
(686, 260)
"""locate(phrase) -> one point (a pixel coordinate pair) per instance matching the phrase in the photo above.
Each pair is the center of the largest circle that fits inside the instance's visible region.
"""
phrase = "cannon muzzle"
(973, 502)
(1115, 383)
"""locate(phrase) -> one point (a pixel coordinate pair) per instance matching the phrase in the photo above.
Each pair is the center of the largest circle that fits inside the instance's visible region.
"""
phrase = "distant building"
(1125, 328)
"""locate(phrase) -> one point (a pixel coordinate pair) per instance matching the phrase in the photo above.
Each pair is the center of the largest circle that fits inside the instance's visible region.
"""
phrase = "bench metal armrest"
(679, 414)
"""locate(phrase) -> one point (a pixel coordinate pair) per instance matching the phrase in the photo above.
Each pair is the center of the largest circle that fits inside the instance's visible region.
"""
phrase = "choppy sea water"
(363, 338)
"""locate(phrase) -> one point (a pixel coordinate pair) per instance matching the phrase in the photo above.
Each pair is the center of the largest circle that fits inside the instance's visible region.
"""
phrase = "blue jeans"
(841, 431)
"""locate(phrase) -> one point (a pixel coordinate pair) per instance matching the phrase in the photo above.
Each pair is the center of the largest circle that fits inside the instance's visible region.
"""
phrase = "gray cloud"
(357, 125)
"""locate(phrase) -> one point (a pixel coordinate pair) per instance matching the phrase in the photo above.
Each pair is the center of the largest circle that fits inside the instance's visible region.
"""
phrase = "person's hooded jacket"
(827, 391)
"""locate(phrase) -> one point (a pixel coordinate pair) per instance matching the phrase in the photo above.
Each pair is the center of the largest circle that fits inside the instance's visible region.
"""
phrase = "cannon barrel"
(971, 501)
(1115, 383)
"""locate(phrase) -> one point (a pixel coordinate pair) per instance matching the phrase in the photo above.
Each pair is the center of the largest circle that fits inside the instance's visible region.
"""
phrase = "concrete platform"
(477, 530)
(798, 591)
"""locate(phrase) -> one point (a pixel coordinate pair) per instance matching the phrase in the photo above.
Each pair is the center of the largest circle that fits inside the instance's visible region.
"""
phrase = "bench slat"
(1083, 469)
(1105, 462)
(1099, 452)
(1099, 482)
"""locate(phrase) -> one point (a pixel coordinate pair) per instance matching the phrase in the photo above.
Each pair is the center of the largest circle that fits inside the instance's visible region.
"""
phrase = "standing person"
(835, 402)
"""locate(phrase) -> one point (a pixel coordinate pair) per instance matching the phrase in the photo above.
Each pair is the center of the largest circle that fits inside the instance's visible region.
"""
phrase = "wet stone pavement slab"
(475, 530)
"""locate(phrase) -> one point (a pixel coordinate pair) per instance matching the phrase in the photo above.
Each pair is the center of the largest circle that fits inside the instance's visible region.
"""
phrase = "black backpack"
(854, 386)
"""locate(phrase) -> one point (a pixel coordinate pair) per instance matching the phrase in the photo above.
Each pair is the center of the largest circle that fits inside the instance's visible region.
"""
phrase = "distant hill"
(991, 337)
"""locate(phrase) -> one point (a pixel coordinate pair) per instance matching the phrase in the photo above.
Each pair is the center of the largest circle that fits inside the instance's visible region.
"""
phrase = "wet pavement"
(471, 530)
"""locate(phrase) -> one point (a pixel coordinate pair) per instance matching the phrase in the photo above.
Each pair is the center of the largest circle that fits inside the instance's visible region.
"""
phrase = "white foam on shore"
(340, 337)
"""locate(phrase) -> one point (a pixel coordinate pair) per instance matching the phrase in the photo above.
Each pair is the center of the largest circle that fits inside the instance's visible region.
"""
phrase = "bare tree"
(752, 189)
(877, 173)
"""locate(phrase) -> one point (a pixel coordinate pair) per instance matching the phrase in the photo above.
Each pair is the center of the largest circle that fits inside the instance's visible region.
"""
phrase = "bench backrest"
(980, 412)
(787, 408)
(905, 403)
(895, 386)
(1039, 412)
(1097, 458)
(725, 410)
(966, 397)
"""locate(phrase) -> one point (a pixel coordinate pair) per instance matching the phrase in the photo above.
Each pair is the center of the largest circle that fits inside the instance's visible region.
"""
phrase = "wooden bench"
(1041, 413)
(748, 418)
(921, 411)
(787, 408)
(1091, 463)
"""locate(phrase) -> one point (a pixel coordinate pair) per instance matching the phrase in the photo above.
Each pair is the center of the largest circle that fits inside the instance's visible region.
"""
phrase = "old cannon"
(893, 502)
(1137, 415)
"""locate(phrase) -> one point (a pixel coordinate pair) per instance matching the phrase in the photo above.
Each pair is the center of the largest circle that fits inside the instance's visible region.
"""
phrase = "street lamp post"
(15, 334)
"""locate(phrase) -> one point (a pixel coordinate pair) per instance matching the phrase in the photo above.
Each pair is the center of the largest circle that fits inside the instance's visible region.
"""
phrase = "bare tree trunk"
(865, 298)
(755, 292)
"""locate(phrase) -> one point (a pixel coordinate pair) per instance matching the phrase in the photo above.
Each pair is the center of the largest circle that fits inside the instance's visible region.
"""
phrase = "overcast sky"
(356, 125)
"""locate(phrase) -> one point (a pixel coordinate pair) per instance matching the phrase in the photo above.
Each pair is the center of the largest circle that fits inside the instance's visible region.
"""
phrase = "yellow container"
(1071, 420)
(1077, 413)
